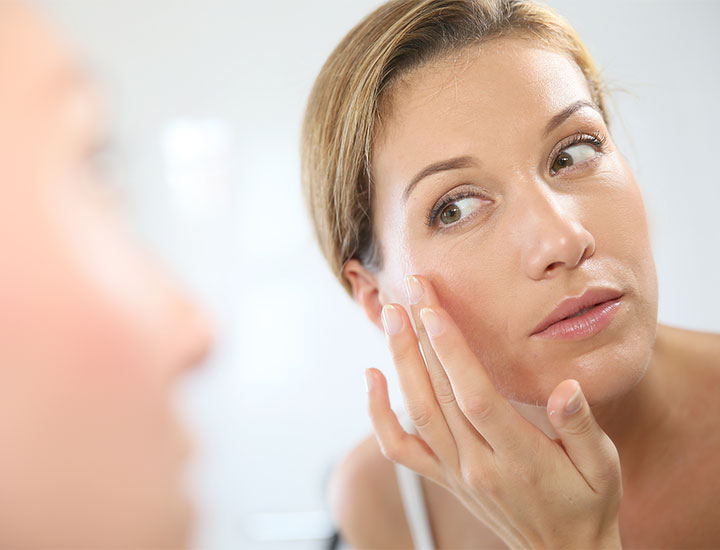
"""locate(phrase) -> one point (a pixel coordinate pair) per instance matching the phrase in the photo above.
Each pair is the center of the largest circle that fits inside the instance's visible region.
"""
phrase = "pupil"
(563, 160)
(450, 215)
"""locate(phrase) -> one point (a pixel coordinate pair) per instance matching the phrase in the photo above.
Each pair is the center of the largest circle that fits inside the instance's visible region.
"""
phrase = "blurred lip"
(585, 303)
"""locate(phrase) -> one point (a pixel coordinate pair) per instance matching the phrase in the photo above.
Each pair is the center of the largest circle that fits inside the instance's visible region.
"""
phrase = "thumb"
(586, 444)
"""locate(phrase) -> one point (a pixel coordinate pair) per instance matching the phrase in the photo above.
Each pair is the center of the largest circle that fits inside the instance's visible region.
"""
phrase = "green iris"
(450, 214)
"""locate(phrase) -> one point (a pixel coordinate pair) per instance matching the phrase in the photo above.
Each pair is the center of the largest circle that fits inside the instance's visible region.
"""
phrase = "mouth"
(577, 318)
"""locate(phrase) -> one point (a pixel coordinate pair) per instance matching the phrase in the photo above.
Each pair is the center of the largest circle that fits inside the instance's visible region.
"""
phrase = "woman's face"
(92, 335)
(526, 209)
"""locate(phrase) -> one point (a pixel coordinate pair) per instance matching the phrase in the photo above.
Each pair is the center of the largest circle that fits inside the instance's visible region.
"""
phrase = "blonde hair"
(344, 106)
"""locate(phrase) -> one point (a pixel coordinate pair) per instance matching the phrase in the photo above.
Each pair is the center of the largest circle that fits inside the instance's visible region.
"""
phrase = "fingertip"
(560, 398)
(414, 289)
(369, 380)
(431, 321)
(377, 400)
(374, 379)
(393, 319)
(574, 402)
(429, 295)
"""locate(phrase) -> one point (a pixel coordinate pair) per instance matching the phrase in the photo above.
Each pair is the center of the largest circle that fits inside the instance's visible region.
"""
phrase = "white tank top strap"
(413, 500)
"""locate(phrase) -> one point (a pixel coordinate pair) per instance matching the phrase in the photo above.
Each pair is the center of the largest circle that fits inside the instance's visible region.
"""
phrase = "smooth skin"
(530, 233)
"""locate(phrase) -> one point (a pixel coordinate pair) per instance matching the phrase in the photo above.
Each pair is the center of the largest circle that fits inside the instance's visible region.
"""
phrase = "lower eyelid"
(443, 227)
(587, 163)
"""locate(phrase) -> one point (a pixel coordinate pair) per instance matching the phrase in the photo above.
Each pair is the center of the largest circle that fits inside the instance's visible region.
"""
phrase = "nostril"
(553, 266)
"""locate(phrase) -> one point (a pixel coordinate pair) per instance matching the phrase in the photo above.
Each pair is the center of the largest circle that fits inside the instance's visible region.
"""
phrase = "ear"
(365, 290)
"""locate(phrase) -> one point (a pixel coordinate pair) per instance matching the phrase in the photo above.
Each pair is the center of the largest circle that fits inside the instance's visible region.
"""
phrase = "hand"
(532, 491)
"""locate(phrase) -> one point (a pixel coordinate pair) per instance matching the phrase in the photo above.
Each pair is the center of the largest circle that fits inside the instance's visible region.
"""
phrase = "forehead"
(484, 96)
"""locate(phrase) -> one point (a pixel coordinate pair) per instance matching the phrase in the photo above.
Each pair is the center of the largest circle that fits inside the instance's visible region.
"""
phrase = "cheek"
(618, 221)
(478, 286)
(637, 238)
(481, 285)
(85, 386)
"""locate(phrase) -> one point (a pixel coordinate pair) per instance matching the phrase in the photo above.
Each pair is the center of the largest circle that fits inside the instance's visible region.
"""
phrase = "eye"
(459, 209)
(572, 155)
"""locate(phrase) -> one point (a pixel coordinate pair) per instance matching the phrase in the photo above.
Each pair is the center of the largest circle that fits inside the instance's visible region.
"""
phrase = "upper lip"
(570, 306)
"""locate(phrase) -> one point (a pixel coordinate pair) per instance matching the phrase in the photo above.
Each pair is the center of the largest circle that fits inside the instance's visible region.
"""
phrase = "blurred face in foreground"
(92, 335)
(496, 178)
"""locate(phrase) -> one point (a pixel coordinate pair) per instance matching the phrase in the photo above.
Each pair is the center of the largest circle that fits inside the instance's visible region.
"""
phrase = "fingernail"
(574, 403)
(392, 321)
(431, 321)
(414, 289)
(368, 380)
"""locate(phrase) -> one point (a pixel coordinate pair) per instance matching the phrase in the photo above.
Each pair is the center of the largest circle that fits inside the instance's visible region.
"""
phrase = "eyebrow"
(442, 166)
(563, 115)
(468, 161)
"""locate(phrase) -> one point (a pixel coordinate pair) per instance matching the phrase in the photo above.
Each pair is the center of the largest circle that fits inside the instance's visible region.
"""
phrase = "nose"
(556, 238)
(188, 337)
(197, 335)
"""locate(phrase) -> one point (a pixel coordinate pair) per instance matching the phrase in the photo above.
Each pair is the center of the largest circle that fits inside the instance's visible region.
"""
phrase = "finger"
(486, 409)
(421, 294)
(420, 402)
(586, 444)
(395, 443)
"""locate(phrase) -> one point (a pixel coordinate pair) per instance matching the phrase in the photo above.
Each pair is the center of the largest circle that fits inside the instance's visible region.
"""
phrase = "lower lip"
(583, 326)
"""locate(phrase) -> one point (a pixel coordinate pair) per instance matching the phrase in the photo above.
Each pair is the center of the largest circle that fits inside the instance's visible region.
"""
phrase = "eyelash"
(446, 200)
(594, 137)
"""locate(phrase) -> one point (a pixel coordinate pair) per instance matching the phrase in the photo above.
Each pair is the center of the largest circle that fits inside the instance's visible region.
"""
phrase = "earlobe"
(365, 290)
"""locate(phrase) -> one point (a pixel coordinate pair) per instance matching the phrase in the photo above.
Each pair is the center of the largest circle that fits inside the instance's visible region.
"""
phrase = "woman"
(462, 180)
(94, 335)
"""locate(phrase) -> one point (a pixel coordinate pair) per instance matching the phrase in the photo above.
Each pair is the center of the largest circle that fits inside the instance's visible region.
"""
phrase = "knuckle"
(420, 412)
(476, 477)
(528, 474)
(390, 450)
(476, 406)
(520, 468)
(472, 476)
(443, 390)
(402, 353)
(609, 463)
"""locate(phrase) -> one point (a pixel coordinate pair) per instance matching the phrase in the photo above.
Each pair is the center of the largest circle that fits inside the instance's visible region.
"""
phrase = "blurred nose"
(191, 337)
(556, 238)
(198, 335)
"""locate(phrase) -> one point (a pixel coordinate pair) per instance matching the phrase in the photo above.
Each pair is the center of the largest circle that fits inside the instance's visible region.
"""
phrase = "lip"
(601, 303)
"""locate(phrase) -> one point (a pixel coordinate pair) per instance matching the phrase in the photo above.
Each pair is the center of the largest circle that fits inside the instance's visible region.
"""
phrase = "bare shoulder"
(368, 508)
(693, 360)
(365, 499)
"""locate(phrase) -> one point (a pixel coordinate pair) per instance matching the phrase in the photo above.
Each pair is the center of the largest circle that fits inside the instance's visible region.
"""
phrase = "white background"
(205, 100)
